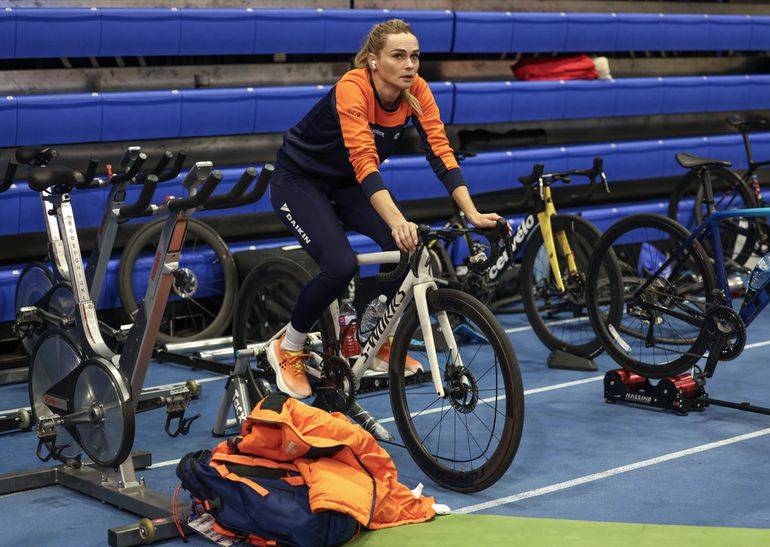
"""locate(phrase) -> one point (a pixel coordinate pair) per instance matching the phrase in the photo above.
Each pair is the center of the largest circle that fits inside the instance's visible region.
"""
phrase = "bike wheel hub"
(185, 282)
(462, 389)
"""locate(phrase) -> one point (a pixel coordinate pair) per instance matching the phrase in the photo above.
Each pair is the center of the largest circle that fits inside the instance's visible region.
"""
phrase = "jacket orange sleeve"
(434, 140)
(354, 122)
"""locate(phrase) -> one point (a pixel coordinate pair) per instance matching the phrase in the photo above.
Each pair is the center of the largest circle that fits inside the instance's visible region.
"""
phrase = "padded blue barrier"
(59, 118)
(207, 31)
(539, 32)
(289, 30)
(589, 98)
(444, 93)
(141, 115)
(727, 147)
(87, 206)
(57, 32)
(685, 32)
(7, 33)
(489, 172)
(480, 31)
(538, 100)
(433, 28)
(554, 159)
(582, 157)
(588, 32)
(729, 32)
(484, 102)
(759, 91)
(699, 146)
(640, 31)
(726, 93)
(280, 108)
(760, 146)
(638, 96)
(760, 32)
(130, 31)
(9, 210)
(218, 111)
(411, 177)
(637, 160)
(8, 113)
(687, 94)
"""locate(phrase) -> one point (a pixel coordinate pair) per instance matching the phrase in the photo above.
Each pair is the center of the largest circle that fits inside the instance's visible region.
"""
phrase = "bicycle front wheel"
(466, 440)
(653, 325)
(560, 318)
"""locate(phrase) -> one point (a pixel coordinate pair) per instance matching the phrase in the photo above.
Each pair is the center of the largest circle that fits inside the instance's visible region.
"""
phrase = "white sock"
(293, 340)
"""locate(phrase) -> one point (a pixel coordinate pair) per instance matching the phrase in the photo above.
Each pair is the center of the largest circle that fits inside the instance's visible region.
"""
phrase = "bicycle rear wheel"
(205, 283)
(653, 326)
(739, 235)
(467, 440)
(560, 319)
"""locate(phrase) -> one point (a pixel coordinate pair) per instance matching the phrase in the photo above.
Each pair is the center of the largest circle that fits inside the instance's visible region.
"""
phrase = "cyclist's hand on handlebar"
(405, 236)
(484, 220)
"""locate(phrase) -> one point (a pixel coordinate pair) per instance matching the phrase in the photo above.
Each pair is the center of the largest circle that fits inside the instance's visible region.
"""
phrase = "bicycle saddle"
(691, 161)
(42, 178)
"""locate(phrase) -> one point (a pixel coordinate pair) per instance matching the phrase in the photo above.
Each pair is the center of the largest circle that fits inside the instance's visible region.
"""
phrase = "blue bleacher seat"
(638, 96)
(218, 111)
(726, 93)
(539, 32)
(729, 32)
(760, 146)
(214, 31)
(727, 147)
(130, 31)
(640, 31)
(346, 28)
(411, 177)
(489, 172)
(8, 113)
(433, 28)
(141, 115)
(444, 93)
(57, 32)
(9, 209)
(87, 207)
(483, 102)
(589, 98)
(479, 32)
(7, 33)
(591, 32)
(760, 32)
(59, 118)
(280, 108)
(637, 160)
(554, 159)
(685, 94)
(538, 100)
(759, 91)
(686, 32)
(289, 30)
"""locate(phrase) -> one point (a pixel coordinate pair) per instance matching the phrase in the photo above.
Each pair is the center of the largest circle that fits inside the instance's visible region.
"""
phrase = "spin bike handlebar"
(259, 189)
(232, 197)
(204, 192)
(141, 207)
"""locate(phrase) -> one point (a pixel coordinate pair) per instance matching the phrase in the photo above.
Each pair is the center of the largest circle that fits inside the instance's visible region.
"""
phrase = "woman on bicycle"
(327, 180)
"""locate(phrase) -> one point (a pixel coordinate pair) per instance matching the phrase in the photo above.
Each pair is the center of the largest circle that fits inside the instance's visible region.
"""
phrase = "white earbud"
(374, 65)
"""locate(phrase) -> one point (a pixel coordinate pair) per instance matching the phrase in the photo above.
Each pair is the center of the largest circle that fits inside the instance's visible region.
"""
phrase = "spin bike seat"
(691, 161)
(42, 178)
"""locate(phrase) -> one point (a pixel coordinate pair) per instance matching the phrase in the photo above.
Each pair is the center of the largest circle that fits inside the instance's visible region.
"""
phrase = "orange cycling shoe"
(382, 360)
(289, 367)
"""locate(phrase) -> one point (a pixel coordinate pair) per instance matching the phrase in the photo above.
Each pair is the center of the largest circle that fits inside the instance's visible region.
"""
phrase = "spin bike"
(473, 380)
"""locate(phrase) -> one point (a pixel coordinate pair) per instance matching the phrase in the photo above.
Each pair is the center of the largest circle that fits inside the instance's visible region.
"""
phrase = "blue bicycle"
(669, 301)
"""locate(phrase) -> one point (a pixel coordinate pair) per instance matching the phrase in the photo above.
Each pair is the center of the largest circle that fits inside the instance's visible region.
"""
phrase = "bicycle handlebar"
(191, 202)
(141, 207)
(596, 171)
(399, 270)
(232, 197)
(10, 173)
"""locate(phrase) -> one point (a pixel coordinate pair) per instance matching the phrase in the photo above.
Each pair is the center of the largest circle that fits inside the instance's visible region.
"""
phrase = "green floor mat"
(491, 530)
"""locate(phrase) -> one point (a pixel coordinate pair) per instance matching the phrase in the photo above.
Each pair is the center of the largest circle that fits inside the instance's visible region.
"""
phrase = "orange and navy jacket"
(341, 463)
(348, 133)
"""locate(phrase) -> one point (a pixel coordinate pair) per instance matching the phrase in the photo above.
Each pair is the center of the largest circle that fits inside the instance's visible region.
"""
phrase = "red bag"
(577, 67)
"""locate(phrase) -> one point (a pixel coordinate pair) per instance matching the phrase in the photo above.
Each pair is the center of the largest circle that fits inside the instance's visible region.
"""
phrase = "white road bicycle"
(461, 420)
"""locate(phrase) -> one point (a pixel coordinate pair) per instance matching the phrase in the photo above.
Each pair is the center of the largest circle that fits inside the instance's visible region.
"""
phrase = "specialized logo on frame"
(294, 224)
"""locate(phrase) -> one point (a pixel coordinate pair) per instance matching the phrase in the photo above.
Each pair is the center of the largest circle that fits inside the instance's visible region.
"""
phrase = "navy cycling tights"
(317, 213)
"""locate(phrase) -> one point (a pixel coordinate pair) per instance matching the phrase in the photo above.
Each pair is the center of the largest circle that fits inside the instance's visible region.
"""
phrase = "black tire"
(560, 320)
(201, 300)
(35, 281)
(739, 235)
(658, 332)
(477, 332)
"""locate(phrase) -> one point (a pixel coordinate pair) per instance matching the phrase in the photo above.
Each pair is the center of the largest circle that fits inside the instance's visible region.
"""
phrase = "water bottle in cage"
(371, 316)
(759, 276)
(348, 326)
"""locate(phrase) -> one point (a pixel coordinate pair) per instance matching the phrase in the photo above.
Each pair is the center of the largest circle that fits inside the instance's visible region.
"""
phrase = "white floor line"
(163, 464)
(610, 472)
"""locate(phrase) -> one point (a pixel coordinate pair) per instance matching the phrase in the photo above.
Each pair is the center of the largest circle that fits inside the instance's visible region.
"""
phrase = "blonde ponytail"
(375, 41)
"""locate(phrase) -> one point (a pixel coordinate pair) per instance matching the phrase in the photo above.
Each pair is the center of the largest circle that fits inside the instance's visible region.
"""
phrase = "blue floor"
(580, 458)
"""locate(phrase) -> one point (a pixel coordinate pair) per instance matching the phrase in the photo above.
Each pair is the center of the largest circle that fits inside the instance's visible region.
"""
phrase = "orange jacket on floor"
(342, 464)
